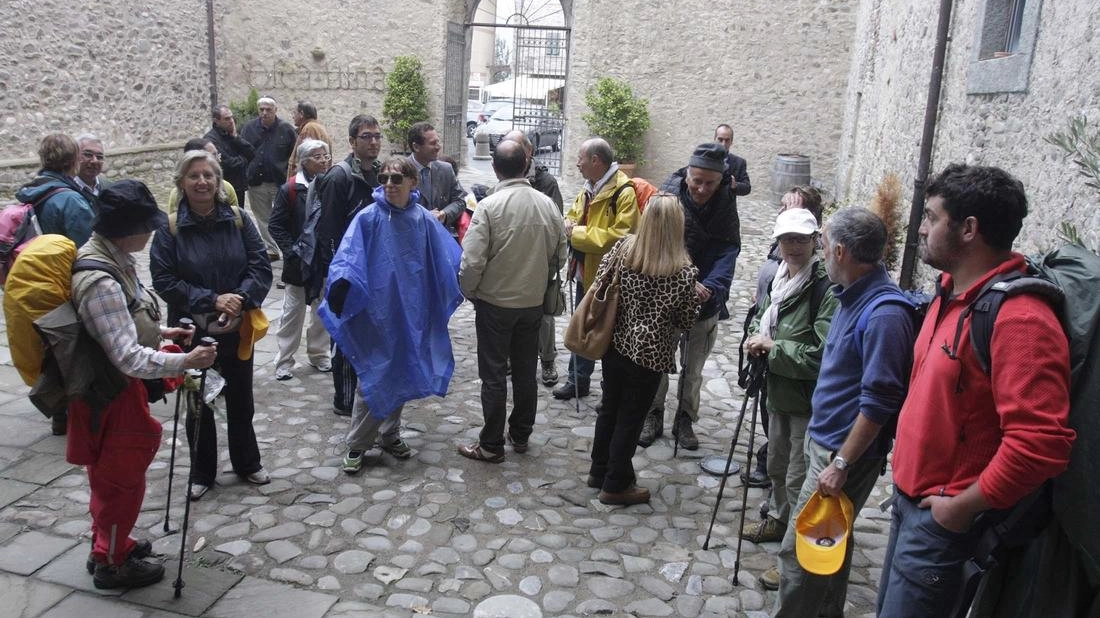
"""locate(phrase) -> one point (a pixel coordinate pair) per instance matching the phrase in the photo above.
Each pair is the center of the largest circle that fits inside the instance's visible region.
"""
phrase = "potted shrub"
(618, 116)
(406, 101)
(246, 111)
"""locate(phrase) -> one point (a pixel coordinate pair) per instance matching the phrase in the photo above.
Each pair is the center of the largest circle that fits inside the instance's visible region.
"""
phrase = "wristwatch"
(840, 463)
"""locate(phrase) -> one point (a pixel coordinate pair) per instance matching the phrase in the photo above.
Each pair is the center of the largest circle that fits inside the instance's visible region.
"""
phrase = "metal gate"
(454, 95)
(539, 90)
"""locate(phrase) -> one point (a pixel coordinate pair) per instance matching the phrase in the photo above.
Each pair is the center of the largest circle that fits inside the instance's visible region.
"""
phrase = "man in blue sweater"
(862, 384)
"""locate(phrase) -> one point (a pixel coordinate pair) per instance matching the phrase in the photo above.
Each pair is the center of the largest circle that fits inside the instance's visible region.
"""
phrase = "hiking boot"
(142, 549)
(59, 423)
(569, 390)
(653, 428)
(134, 573)
(756, 478)
(549, 375)
(770, 579)
(631, 495)
(353, 462)
(771, 530)
(398, 448)
(684, 434)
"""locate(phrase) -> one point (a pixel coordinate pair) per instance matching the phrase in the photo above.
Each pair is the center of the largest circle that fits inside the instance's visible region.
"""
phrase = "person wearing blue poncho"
(392, 288)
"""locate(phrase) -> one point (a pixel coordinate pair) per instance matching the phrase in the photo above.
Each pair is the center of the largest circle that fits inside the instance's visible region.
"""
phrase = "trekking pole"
(725, 471)
(573, 361)
(188, 324)
(178, 585)
(745, 495)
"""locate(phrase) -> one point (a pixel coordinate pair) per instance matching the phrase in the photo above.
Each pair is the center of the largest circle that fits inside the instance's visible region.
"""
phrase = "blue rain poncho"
(392, 287)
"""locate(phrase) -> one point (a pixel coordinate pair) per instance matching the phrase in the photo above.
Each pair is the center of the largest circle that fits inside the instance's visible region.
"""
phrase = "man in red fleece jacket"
(969, 442)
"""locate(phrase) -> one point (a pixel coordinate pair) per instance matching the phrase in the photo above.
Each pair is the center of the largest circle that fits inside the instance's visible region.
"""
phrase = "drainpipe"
(931, 110)
(210, 54)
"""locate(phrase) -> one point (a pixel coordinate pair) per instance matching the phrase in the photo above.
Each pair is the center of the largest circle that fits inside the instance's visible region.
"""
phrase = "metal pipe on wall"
(211, 55)
(931, 112)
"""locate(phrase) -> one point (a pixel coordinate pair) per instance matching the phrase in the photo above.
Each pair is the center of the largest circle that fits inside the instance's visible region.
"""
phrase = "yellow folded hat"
(821, 533)
(253, 328)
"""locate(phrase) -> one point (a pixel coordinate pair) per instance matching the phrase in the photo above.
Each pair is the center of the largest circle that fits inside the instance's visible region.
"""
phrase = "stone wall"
(134, 72)
(888, 85)
(337, 58)
(775, 71)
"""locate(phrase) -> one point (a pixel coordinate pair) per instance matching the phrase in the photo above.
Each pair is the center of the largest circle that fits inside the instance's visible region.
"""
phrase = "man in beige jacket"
(514, 237)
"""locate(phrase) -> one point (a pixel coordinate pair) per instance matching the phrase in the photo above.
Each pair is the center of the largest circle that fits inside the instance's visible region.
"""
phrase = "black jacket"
(285, 227)
(235, 153)
(712, 235)
(737, 169)
(342, 195)
(546, 184)
(208, 257)
(273, 147)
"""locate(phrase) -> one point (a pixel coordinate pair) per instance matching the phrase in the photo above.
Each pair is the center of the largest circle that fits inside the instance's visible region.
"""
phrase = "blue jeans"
(580, 368)
(922, 573)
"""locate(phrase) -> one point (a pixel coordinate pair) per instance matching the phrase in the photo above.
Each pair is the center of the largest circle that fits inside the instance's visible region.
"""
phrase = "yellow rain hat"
(821, 533)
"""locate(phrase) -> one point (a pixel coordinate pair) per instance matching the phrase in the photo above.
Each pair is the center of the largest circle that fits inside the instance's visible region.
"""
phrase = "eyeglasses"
(320, 157)
(369, 136)
(88, 154)
(796, 239)
(391, 179)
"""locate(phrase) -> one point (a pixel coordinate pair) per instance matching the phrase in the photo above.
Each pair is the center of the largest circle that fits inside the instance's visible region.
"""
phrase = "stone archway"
(527, 66)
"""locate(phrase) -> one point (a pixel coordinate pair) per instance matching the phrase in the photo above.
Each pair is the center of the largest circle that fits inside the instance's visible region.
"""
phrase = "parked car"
(473, 112)
(482, 114)
(543, 128)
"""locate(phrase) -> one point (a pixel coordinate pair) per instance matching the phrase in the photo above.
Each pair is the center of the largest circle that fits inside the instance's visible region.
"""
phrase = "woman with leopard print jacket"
(657, 301)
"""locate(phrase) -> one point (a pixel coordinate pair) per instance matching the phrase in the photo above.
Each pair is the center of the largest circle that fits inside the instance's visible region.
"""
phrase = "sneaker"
(283, 374)
(771, 530)
(353, 462)
(134, 573)
(653, 428)
(398, 448)
(142, 549)
(631, 495)
(569, 390)
(756, 478)
(684, 434)
(549, 375)
(259, 477)
(770, 579)
(198, 490)
(324, 366)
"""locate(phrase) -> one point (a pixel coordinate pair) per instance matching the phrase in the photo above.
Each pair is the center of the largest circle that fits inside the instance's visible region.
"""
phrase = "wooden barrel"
(789, 170)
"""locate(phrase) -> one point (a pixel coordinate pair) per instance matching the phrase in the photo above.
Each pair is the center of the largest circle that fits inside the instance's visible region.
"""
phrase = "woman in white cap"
(789, 333)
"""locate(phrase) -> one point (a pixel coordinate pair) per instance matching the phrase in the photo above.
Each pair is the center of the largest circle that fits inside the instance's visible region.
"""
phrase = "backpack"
(1069, 279)
(643, 190)
(49, 347)
(306, 244)
(18, 226)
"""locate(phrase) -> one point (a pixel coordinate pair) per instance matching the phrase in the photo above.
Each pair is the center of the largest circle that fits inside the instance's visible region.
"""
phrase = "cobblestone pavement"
(437, 534)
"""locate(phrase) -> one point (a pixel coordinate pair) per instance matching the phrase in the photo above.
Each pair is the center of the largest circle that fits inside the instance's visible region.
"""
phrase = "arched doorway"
(518, 52)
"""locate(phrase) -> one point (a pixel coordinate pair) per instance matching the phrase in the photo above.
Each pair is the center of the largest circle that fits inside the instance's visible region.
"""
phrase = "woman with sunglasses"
(392, 288)
(789, 332)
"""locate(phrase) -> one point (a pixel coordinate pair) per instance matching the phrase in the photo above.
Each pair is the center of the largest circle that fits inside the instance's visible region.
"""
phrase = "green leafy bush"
(618, 116)
(406, 101)
(246, 111)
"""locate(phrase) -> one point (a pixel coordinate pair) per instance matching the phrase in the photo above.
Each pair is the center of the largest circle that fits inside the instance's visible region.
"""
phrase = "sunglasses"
(391, 179)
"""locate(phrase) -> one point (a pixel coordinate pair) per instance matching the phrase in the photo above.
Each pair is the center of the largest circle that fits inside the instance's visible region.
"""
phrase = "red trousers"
(116, 456)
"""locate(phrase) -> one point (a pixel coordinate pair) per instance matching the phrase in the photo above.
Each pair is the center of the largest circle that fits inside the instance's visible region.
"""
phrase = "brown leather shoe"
(632, 495)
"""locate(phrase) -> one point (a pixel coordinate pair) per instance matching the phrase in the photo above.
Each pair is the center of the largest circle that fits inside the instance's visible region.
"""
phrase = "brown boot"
(770, 530)
(631, 495)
